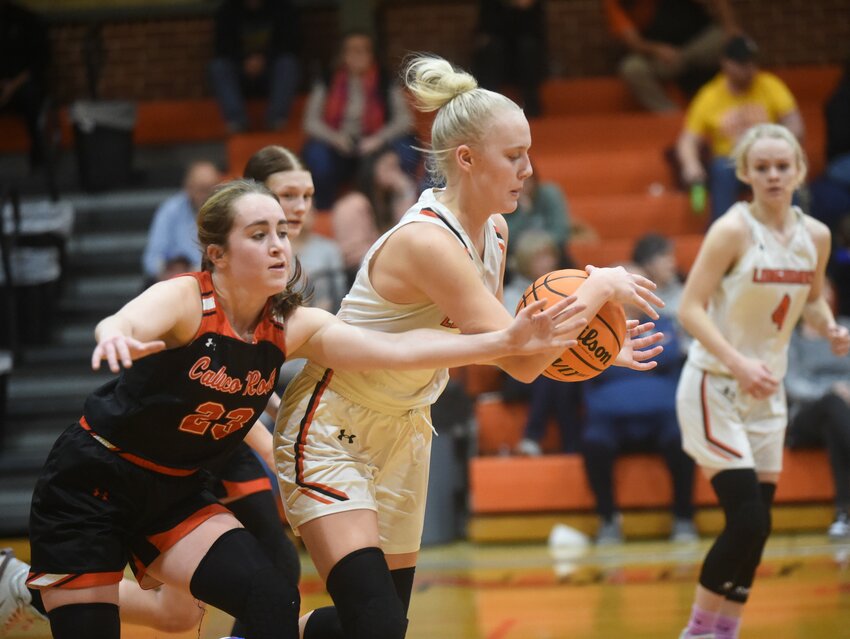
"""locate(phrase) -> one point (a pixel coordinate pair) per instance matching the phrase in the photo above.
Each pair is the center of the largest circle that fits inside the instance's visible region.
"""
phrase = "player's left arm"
(331, 342)
(817, 311)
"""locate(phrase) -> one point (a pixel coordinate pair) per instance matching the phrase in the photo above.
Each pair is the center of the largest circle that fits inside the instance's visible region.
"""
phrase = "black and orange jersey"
(185, 408)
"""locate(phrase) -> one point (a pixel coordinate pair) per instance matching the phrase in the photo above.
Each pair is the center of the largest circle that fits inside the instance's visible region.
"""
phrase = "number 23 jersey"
(187, 407)
(761, 298)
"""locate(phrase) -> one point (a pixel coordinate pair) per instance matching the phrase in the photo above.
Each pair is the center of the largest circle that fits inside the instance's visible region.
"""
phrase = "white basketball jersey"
(760, 300)
(400, 391)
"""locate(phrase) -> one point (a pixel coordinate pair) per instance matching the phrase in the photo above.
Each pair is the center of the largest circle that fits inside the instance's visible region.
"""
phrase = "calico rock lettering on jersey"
(219, 380)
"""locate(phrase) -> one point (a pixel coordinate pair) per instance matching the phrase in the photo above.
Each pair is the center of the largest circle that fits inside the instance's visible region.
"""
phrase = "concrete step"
(15, 498)
(126, 285)
(36, 384)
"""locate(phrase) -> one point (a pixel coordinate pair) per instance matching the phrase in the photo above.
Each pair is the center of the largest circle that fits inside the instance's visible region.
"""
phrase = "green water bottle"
(698, 197)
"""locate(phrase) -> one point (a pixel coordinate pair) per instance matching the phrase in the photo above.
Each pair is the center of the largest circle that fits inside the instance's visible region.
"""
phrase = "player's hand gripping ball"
(600, 341)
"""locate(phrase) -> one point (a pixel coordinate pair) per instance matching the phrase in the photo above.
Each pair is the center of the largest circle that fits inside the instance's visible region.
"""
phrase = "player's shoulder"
(500, 224)
(818, 231)
(815, 226)
(731, 225)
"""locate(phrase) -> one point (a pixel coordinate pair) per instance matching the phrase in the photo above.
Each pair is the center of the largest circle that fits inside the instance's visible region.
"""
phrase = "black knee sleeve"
(324, 623)
(744, 534)
(747, 571)
(403, 580)
(91, 620)
(237, 577)
(258, 513)
(365, 596)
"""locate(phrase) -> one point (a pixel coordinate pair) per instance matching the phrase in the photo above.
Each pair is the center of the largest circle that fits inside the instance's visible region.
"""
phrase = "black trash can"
(103, 140)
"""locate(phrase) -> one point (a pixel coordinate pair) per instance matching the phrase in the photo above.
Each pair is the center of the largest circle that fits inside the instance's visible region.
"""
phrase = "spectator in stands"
(351, 116)
(354, 229)
(173, 235)
(818, 390)
(839, 265)
(509, 46)
(541, 206)
(739, 97)
(390, 190)
(538, 253)
(24, 58)
(669, 40)
(655, 257)
(830, 193)
(256, 44)
(637, 413)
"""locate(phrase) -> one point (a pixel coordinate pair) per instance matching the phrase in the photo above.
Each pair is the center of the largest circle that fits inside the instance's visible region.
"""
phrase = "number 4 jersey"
(761, 298)
(188, 407)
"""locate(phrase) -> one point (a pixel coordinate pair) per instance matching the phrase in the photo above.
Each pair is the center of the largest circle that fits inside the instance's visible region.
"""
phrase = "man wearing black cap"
(739, 97)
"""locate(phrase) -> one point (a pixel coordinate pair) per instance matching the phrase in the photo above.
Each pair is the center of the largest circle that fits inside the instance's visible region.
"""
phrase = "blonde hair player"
(760, 267)
(200, 355)
(353, 449)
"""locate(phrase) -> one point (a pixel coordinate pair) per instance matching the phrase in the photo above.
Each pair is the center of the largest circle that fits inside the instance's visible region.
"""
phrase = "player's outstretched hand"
(639, 349)
(536, 329)
(629, 288)
(120, 350)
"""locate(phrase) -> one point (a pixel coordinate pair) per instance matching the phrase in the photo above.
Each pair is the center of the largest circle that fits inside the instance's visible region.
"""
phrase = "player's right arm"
(423, 262)
(165, 315)
(723, 245)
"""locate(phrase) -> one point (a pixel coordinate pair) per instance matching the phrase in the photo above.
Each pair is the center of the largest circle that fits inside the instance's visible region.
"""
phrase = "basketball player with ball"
(352, 449)
(760, 267)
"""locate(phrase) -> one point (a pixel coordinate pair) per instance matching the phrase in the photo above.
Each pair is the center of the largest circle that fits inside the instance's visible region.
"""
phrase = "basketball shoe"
(686, 635)
(839, 530)
(610, 531)
(16, 609)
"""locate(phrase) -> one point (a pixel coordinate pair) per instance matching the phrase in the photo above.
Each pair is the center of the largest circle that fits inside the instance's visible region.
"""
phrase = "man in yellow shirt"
(739, 96)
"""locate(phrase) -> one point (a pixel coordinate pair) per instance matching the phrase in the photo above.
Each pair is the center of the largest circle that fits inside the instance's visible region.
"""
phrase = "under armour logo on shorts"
(342, 435)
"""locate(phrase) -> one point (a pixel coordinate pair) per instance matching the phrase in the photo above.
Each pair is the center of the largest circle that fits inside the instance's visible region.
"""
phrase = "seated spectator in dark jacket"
(830, 193)
(256, 42)
(818, 389)
(627, 411)
(509, 47)
(668, 40)
(24, 57)
(351, 116)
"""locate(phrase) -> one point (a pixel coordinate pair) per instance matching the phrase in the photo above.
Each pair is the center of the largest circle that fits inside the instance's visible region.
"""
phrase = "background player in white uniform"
(353, 449)
(760, 267)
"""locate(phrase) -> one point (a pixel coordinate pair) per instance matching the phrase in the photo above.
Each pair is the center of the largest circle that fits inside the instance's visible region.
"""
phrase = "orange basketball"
(600, 341)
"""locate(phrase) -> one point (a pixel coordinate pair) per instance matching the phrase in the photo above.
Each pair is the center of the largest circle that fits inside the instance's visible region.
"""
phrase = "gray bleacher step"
(64, 408)
(105, 284)
(122, 250)
(91, 307)
(107, 243)
(19, 458)
(15, 499)
(56, 355)
(120, 210)
(29, 383)
(76, 333)
(33, 436)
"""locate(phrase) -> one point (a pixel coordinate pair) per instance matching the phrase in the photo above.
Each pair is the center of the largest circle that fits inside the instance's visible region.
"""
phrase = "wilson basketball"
(600, 341)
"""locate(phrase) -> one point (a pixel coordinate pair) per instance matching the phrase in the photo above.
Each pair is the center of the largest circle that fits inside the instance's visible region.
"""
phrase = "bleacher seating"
(607, 155)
